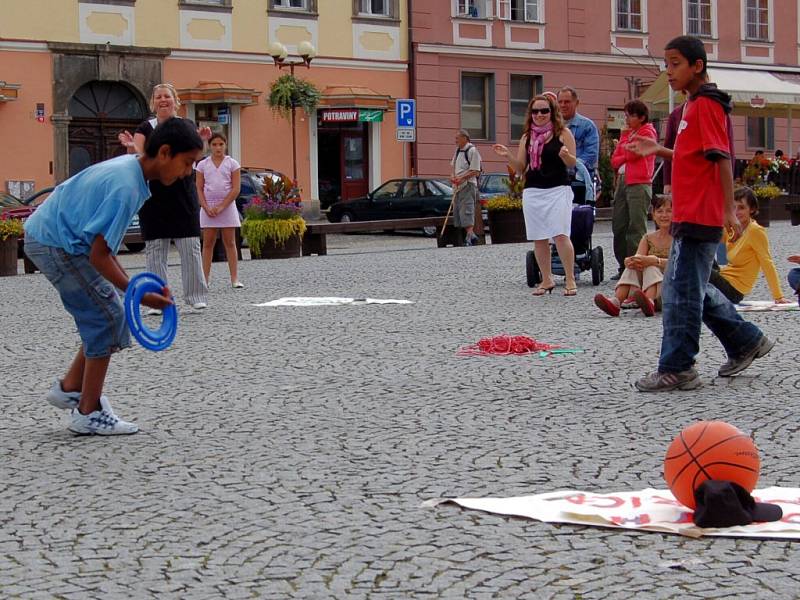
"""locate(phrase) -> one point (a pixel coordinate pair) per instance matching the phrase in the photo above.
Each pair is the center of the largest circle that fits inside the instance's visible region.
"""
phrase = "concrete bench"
(315, 242)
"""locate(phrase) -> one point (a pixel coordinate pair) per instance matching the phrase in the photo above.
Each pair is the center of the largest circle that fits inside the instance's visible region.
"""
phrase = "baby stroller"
(582, 225)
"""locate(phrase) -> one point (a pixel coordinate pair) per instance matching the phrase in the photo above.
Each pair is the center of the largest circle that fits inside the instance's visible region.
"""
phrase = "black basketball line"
(694, 459)
(738, 466)
(684, 443)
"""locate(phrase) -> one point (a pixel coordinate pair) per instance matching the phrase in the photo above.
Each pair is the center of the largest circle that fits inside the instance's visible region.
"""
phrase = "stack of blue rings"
(152, 339)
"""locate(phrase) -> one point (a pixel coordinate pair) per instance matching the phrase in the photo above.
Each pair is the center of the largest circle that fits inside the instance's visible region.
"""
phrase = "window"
(757, 20)
(629, 15)
(525, 10)
(477, 105)
(309, 6)
(223, 3)
(472, 8)
(698, 17)
(523, 88)
(760, 132)
(376, 8)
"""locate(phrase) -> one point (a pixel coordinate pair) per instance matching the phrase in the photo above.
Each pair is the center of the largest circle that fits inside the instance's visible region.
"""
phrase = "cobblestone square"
(286, 452)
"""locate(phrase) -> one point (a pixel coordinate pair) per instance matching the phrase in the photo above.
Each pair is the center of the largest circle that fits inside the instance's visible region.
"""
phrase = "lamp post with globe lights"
(280, 56)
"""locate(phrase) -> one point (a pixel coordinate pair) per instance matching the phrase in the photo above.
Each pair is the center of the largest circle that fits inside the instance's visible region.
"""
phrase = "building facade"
(75, 73)
(476, 63)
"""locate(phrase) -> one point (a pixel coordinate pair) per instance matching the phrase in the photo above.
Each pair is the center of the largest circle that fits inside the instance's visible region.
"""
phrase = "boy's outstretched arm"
(106, 263)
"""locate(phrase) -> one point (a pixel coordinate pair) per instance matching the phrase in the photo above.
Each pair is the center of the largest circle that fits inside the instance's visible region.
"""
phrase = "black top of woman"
(173, 211)
(552, 172)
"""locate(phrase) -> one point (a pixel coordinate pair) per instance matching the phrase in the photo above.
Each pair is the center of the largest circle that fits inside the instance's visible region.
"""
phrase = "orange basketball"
(710, 450)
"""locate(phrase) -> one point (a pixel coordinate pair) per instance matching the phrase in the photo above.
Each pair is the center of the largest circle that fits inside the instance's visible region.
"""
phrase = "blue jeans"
(794, 280)
(688, 299)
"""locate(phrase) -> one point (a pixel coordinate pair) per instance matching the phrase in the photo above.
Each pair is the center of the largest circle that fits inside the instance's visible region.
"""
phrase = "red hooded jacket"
(638, 169)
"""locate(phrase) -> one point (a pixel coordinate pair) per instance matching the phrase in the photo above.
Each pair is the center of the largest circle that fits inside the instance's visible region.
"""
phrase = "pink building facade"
(476, 63)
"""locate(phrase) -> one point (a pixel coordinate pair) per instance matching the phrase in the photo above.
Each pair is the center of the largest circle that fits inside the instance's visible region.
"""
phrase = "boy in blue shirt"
(73, 239)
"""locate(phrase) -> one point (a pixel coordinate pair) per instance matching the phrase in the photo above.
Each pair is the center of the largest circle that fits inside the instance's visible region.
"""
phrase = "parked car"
(397, 199)
(492, 185)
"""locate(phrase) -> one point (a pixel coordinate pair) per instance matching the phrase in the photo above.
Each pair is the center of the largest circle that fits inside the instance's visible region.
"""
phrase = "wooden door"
(355, 164)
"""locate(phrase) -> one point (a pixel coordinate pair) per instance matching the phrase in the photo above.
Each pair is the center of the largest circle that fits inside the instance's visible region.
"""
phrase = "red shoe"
(607, 306)
(647, 306)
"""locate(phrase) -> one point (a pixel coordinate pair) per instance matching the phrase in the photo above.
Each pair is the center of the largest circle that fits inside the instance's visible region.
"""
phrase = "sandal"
(541, 290)
(571, 291)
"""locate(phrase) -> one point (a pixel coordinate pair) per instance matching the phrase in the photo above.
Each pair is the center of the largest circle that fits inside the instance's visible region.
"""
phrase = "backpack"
(467, 155)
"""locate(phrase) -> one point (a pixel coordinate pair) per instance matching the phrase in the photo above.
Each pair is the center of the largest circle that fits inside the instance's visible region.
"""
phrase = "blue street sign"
(406, 113)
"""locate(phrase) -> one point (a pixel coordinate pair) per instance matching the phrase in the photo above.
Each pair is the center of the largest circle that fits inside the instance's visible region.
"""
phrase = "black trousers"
(723, 285)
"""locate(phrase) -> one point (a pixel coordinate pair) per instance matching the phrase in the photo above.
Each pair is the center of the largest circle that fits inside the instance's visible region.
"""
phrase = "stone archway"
(76, 66)
(99, 110)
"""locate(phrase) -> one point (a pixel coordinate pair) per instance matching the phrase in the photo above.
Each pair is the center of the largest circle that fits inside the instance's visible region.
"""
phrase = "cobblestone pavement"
(286, 452)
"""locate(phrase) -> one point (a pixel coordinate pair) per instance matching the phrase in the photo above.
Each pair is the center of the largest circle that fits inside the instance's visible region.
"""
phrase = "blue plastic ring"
(152, 339)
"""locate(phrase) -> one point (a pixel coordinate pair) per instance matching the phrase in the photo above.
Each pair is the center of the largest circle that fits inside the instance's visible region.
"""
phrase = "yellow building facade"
(74, 73)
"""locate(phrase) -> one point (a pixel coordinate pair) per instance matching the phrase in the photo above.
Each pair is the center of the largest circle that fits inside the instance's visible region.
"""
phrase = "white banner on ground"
(647, 510)
(764, 305)
(328, 301)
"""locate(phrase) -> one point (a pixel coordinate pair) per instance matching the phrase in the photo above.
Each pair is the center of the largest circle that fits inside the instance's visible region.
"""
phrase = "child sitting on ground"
(747, 255)
(644, 271)
(73, 238)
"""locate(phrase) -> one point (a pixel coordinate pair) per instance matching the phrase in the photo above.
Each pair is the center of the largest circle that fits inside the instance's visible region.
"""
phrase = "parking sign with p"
(406, 113)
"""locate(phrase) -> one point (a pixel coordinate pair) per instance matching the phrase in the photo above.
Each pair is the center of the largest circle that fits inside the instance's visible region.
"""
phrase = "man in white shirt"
(466, 168)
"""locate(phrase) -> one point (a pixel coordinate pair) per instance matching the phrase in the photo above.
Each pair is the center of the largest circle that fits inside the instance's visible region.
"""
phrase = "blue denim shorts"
(90, 298)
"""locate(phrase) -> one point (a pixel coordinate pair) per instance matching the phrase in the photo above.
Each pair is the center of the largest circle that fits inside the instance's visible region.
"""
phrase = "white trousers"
(194, 282)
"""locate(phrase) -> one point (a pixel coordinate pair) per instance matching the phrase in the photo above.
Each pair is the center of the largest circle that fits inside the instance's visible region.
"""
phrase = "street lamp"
(280, 54)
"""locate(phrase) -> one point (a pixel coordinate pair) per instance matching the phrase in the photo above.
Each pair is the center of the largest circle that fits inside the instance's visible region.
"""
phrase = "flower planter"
(794, 212)
(763, 216)
(291, 248)
(9, 249)
(507, 226)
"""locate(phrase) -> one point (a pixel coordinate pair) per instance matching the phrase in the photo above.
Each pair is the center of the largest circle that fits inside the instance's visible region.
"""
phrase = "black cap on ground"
(726, 504)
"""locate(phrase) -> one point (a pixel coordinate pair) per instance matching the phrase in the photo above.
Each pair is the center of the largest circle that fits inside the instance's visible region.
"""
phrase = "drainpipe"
(412, 88)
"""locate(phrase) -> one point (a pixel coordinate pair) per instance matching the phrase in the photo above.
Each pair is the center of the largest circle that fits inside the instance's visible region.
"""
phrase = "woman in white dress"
(546, 150)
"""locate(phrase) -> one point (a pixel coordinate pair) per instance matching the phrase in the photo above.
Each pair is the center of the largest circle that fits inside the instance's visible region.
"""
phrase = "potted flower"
(766, 194)
(10, 232)
(507, 224)
(273, 225)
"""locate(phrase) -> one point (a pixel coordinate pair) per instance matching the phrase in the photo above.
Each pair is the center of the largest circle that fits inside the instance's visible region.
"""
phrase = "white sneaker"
(237, 285)
(153, 311)
(199, 305)
(100, 422)
(61, 399)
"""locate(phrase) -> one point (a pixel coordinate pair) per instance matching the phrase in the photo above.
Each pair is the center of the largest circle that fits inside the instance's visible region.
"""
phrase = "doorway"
(343, 152)
(99, 111)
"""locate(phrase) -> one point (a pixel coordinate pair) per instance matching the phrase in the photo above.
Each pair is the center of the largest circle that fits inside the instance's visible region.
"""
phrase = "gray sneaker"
(666, 382)
(737, 365)
(100, 422)
(61, 399)
(472, 240)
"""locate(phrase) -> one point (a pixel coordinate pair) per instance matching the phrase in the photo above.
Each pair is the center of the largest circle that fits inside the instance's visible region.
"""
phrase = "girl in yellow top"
(747, 255)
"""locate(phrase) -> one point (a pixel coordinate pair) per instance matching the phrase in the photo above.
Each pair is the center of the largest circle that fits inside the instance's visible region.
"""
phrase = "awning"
(341, 96)
(9, 91)
(755, 93)
(218, 92)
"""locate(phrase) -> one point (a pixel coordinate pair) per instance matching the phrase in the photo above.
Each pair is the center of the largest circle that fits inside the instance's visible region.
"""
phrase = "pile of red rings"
(506, 344)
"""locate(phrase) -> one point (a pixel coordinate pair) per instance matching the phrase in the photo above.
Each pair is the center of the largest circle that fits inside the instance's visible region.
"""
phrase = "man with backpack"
(466, 199)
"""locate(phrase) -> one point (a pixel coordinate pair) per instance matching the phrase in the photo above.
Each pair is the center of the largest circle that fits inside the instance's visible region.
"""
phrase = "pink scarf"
(537, 138)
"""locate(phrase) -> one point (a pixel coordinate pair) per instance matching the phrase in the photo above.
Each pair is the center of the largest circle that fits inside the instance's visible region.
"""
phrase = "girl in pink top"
(218, 181)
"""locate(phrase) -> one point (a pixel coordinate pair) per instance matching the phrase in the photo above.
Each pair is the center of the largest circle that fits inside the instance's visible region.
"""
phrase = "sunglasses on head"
(540, 111)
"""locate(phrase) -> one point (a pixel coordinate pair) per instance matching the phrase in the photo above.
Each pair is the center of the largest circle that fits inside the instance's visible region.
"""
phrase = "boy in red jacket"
(702, 197)
(634, 188)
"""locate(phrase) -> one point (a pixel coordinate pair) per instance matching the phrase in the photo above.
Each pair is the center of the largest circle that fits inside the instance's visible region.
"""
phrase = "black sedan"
(408, 198)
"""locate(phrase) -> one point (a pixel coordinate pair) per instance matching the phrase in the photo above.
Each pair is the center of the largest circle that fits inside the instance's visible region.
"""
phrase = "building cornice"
(266, 59)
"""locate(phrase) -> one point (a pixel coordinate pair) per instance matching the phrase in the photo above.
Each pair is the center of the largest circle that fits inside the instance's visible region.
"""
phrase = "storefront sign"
(40, 112)
(351, 115)
(339, 116)
(370, 115)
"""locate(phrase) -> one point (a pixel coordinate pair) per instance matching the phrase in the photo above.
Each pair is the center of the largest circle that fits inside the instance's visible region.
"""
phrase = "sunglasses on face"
(540, 111)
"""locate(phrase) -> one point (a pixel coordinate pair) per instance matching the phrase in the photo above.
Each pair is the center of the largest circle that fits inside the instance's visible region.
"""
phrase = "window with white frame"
(629, 15)
(477, 104)
(525, 10)
(477, 9)
(298, 5)
(698, 17)
(522, 89)
(378, 8)
(225, 3)
(757, 20)
(761, 133)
